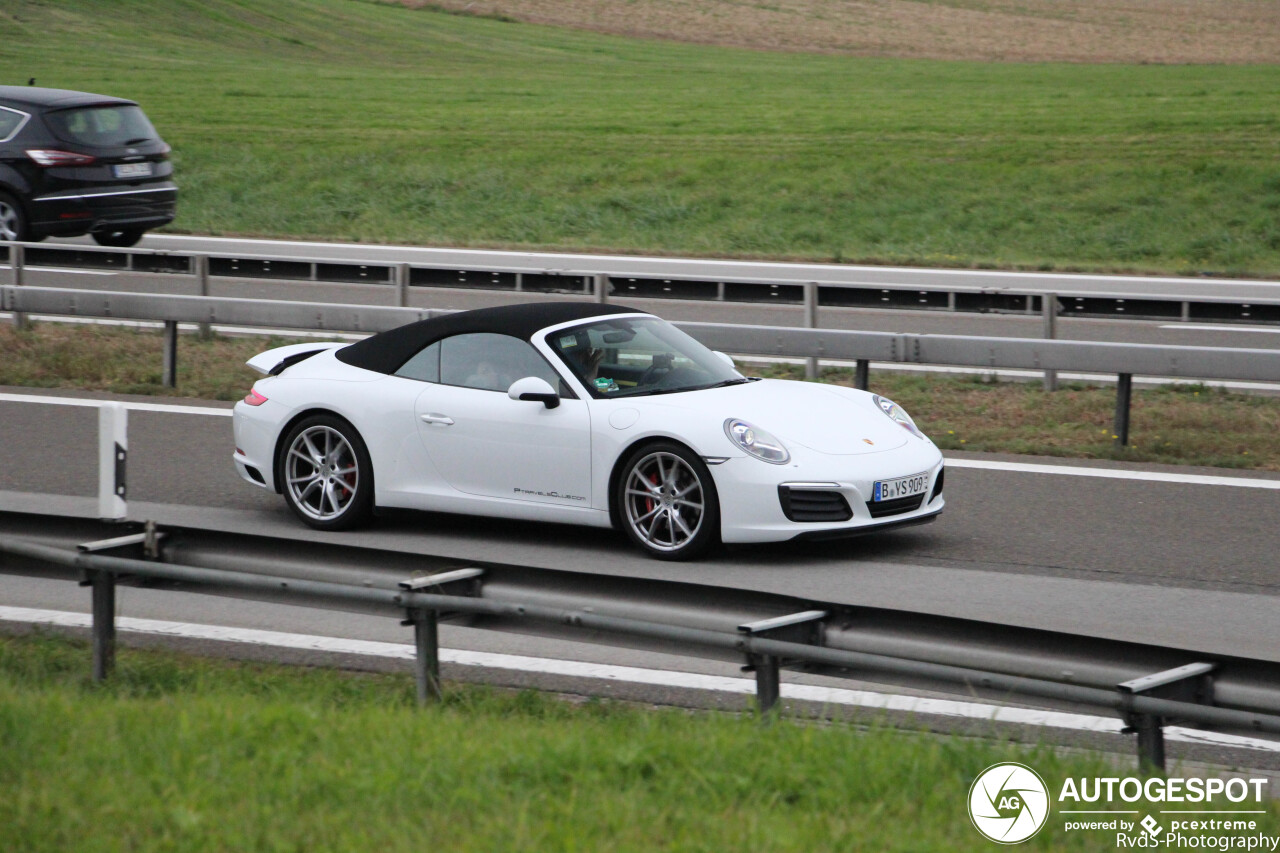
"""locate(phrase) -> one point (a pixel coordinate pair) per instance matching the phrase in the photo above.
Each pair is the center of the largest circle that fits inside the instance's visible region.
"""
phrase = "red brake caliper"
(347, 481)
(648, 502)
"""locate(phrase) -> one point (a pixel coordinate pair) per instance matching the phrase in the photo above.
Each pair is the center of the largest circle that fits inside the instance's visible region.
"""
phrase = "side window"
(10, 121)
(491, 362)
(425, 366)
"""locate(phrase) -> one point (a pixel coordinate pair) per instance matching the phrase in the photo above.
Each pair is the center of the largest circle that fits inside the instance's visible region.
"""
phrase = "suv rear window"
(102, 126)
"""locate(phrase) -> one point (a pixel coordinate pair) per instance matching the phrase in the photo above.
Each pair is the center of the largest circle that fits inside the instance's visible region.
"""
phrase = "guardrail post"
(805, 627)
(1124, 397)
(768, 681)
(1049, 309)
(104, 621)
(1191, 683)
(426, 665)
(170, 369)
(400, 274)
(426, 625)
(601, 288)
(18, 261)
(202, 279)
(1150, 731)
(862, 375)
(113, 456)
(811, 322)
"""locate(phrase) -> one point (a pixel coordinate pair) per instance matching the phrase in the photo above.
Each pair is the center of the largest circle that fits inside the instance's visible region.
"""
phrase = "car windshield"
(638, 356)
(102, 126)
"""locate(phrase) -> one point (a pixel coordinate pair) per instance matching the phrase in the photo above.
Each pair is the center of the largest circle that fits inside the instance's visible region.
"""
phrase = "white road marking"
(632, 675)
(1013, 467)
(1116, 474)
(88, 402)
(1208, 327)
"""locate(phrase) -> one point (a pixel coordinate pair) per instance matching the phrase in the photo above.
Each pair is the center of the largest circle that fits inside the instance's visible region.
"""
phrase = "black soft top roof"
(387, 351)
(35, 96)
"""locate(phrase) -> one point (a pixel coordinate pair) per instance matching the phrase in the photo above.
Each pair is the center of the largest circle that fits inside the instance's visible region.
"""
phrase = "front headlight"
(897, 414)
(756, 442)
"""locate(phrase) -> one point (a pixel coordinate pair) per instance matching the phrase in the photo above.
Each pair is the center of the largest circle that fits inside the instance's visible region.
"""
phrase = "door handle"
(438, 420)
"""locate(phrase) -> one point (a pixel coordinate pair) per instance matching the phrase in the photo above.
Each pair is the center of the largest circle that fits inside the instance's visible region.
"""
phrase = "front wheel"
(668, 503)
(119, 239)
(326, 475)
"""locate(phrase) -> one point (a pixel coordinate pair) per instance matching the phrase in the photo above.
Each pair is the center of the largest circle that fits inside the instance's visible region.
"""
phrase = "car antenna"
(31, 81)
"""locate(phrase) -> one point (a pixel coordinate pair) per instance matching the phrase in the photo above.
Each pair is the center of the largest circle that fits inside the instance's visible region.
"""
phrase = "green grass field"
(357, 120)
(187, 755)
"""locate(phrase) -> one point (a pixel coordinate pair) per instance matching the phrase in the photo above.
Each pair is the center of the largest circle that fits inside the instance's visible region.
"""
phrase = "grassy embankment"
(356, 120)
(1189, 424)
(182, 754)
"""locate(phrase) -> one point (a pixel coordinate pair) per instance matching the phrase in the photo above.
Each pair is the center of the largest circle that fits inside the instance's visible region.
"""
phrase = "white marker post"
(113, 452)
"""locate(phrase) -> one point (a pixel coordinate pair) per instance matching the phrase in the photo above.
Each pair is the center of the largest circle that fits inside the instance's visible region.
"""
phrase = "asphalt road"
(1175, 563)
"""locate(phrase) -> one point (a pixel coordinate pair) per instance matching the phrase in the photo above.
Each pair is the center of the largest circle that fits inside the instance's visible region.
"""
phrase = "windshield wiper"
(640, 392)
(656, 391)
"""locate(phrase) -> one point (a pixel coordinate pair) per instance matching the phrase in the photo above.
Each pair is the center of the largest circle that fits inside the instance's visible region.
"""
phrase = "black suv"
(72, 163)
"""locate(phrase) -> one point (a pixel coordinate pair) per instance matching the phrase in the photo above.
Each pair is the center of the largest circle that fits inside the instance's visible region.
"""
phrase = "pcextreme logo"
(1008, 803)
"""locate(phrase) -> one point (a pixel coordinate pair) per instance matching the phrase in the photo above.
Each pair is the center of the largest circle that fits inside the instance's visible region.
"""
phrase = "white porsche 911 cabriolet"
(578, 413)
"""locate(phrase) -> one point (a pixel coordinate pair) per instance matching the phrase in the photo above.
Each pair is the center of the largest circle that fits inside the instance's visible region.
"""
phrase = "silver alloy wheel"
(664, 501)
(322, 473)
(9, 221)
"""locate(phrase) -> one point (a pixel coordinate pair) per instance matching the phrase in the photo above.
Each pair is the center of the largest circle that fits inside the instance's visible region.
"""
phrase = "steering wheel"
(657, 369)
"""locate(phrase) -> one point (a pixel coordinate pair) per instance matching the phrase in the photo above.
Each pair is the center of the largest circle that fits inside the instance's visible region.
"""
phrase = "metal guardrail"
(982, 353)
(767, 632)
(929, 294)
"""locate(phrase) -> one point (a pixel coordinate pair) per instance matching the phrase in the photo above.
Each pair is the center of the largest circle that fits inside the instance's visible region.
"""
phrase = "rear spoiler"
(274, 361)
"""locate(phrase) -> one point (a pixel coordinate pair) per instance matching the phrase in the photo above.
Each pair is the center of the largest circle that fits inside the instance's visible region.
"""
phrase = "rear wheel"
(13, 220)
(667, 502)
(326, 475)
(121, 238)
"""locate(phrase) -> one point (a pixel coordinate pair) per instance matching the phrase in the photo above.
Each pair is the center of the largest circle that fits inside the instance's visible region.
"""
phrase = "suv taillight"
(54, 157)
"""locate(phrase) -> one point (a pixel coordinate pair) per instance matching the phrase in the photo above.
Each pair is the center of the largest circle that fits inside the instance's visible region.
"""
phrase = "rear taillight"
(253, 398)
(164, 151)
(54, 157)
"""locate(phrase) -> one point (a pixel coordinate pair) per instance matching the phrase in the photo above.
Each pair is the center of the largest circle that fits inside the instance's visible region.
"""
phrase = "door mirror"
(534, 390)
(725, 358)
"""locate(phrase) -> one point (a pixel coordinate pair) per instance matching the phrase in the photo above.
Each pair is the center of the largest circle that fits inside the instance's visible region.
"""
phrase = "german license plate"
(133, 170)
(903, 487)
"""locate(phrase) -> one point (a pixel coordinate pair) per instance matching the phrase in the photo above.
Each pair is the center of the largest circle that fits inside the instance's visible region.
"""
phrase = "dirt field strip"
(1136, 31)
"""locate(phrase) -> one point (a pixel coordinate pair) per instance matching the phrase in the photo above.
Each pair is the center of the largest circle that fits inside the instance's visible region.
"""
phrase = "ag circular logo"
(1008, 803)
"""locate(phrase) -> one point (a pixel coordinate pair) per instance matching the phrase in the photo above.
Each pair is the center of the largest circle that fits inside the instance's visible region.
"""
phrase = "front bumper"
(752, 505)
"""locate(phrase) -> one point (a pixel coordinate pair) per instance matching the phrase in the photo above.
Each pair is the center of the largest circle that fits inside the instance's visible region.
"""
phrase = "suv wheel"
(13, 222)
(122, 239)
